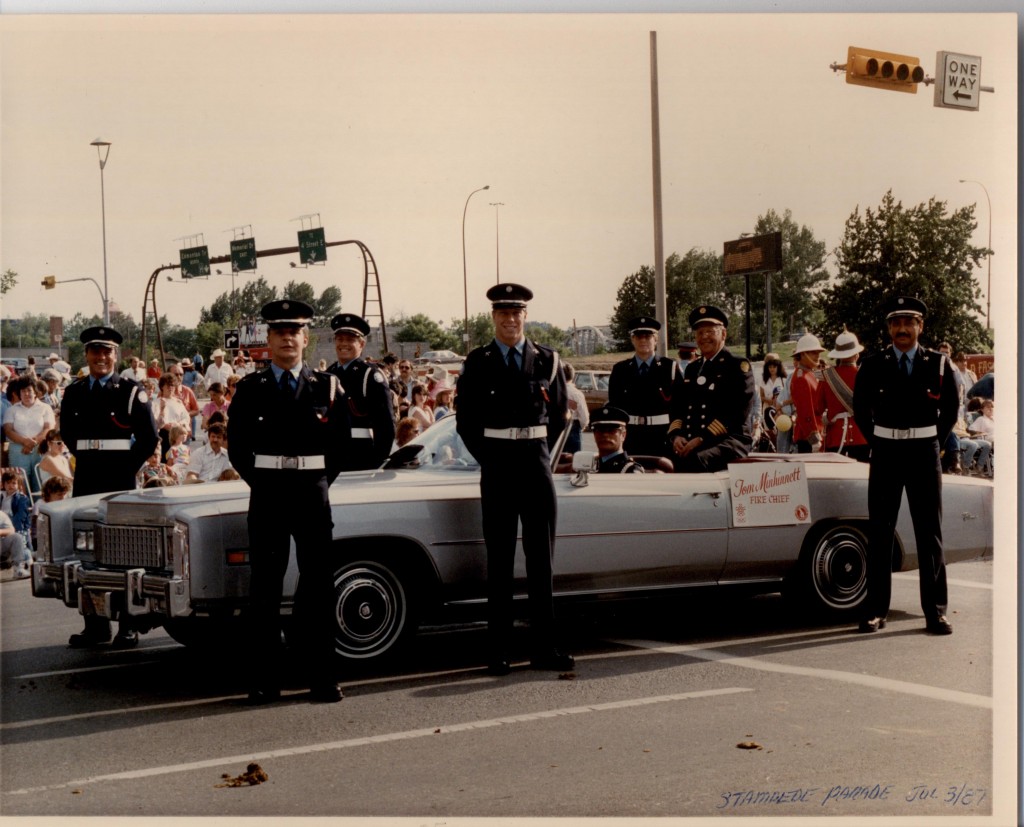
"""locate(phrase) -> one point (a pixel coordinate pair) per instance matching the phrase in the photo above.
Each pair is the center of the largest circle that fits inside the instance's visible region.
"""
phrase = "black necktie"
(96, 387)
(286, 382)
(905, 365)
(643, 368)
(512, 363)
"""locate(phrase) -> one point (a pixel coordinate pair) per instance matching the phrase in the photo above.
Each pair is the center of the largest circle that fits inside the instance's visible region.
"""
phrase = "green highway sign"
(312, 246)
(195, 261)
(243, 254)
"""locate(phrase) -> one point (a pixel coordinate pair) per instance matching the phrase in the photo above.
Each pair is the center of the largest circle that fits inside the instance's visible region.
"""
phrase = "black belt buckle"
(290, 463)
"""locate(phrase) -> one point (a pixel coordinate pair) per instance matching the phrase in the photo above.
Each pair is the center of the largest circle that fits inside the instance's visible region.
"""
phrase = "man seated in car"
(609, 427)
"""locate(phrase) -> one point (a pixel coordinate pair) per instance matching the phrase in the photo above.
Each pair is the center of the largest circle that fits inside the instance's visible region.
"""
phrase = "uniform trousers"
(913, 465)
(647, 441)
(516, 485)
(714, 458)
(288, 505)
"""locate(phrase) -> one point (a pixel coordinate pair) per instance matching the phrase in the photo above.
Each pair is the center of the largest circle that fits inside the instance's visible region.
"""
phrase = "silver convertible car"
(409, 549)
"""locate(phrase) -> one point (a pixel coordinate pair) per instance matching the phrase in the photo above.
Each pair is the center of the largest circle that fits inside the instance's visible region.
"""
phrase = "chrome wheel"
(836, 568)
(371, 609)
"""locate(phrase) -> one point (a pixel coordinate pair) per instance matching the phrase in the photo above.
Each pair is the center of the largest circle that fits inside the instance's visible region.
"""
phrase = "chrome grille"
(136, 546)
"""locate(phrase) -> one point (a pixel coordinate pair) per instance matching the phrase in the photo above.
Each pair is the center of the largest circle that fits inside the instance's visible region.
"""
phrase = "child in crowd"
(55, 488)
(177, 456)
(154, 469)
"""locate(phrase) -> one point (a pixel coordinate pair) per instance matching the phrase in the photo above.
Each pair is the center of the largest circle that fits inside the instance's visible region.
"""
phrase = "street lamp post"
(465, 280)
(497, 243)
(99, 143)
(988, 290)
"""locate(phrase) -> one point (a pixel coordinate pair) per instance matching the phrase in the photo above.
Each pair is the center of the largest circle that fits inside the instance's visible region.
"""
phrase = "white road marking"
(383, 738)
(971, 584)
(872, 681)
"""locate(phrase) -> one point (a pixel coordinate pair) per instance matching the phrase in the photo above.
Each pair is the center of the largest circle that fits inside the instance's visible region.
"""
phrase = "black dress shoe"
(263, 695)
(499, 667)
(326, 693)
(553, 661)
(871, 625)
(939, 626)
(125, 640)
(84, 640)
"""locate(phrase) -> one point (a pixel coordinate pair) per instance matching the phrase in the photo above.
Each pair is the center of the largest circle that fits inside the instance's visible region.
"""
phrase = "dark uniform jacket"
(493, 395)
(119, 410)
(883, 396)
(263, 421)
(619, 464)
(369, 404)
(649, 395)
(717, 408)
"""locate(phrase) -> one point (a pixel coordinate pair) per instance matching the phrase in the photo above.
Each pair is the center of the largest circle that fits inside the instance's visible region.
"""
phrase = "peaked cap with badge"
(350, 323)
(101, 336)
(509, 296)
(286, 313)
(643, 324)
(905, 306)
(708, 314)
(608, 415)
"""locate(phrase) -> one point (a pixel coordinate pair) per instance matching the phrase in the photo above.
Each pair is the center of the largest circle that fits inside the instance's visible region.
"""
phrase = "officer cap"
(509, 296)
(350, 323)
(102, 336)
(287, 312)
(707, 314)
(686, 348)
(905, 306)
(609, 415)
(643, 324)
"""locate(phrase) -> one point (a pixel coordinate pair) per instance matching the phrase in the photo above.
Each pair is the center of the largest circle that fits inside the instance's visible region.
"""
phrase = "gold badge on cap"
(284, 305)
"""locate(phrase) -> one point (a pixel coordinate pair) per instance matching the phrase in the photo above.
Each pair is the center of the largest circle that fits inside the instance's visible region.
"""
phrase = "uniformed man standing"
(511, 410)
(609, 427)
(905, 403)
(711, 408)
(108, 427)
(367, 392)
(642, 386)
(287, 435)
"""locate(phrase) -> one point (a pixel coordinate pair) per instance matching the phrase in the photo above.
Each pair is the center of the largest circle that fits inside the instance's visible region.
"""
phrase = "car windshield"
(439, 446)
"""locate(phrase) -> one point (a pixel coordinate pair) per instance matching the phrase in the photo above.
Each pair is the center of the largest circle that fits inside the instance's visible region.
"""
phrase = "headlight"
(84, 539)
(178, 557)
(44, 551)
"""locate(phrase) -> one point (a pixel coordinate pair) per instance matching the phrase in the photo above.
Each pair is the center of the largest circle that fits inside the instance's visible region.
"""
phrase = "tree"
(227, 309)
(421, 328)
(923, 251)
(692, 280)
(8, 279)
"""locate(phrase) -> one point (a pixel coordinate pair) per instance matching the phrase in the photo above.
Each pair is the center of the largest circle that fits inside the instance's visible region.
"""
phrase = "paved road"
(698, 707)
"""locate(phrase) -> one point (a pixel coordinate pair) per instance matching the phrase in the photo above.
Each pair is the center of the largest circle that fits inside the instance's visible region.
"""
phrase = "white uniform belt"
(290, 463)
(533, 432)
(104, 445)
(362, 433)
(659, 419)
(927, 432)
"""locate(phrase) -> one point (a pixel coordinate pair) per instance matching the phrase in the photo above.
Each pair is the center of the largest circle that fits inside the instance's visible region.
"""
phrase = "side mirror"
(584, 461)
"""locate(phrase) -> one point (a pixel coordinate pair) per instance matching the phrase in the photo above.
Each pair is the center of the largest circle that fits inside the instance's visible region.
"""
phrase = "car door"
(640, 531)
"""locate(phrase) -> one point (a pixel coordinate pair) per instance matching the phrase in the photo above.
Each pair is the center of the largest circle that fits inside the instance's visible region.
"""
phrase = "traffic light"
(49, 282)
(883, 70)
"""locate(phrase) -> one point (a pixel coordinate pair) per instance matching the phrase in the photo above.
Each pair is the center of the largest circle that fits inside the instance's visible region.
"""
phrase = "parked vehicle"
(594, 384)
(408, 545)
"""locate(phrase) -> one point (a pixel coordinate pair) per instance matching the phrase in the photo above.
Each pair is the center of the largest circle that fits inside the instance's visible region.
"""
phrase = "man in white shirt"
(219, 371)
(136, 370)
(208, 462)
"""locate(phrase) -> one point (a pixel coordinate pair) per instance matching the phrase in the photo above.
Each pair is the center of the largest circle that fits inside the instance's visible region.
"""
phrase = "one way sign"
(957, 80)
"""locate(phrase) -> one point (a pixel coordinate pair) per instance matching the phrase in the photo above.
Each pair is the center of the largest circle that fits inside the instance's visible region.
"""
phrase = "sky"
(380, 128)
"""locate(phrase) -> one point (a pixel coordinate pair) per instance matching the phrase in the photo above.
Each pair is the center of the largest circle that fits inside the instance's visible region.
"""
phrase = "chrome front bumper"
(105, 592)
